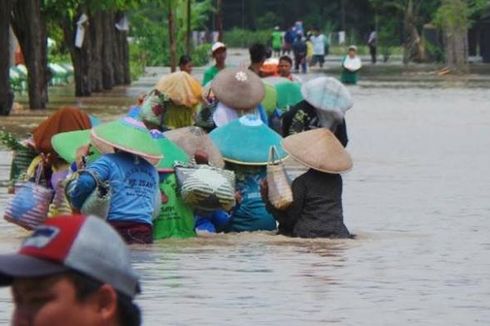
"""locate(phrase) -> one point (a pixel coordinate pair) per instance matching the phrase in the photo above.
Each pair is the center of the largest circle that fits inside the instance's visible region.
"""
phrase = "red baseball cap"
(87, 245)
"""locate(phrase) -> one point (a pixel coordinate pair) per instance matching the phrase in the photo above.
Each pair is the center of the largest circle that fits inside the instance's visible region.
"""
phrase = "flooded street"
(418, 199)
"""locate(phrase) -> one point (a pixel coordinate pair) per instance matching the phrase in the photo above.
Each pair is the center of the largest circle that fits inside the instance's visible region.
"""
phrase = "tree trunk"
(6, 95)
(30, 30)
(412, 45)
(107, 50)
(171, 38)
(125, 58)
(188, 35)
(81, 57)
(117, 49)
(96, 32)
(456, 42)
(219, 19)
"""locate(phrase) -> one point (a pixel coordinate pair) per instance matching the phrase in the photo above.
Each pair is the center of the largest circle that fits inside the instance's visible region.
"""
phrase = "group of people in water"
(224, 123)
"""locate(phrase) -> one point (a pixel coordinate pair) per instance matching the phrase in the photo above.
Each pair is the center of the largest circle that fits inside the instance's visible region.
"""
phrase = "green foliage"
(453, 15)
(268, 21)
(8, 140)
(244, 38)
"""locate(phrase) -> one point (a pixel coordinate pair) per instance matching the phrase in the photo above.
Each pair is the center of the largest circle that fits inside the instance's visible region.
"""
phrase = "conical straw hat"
(192, 139)
(320, 150)
(247, 141)
(327, 94)
(181, 87)
(239, 89)
(128, 135)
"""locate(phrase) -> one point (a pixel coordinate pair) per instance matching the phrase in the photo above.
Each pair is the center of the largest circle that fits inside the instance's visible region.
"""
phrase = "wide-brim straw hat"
(327, 94)
(172, 153)
(270, 100)
(320, 150)
(247, 141)
(128, 135)
(66, 145)
(288, 92)
(182, 88)
(240, 89)
(193, 139)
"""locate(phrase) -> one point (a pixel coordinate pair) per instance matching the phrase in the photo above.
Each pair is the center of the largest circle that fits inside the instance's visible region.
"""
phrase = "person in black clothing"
(316, 210)
(299, 50)
(258, 55)
(303, 117)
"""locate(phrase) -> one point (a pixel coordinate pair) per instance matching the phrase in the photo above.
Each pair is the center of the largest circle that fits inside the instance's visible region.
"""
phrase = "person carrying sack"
(316, 211)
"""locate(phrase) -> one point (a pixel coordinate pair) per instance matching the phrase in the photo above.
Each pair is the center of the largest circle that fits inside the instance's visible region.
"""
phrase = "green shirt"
(276, 40)
(209, 75)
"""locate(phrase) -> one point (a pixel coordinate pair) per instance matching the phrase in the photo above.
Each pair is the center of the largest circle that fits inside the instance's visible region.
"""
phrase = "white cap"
(217, 45)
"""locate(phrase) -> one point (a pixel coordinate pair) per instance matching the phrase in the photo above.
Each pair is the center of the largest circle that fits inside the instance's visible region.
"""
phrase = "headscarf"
(65, 119)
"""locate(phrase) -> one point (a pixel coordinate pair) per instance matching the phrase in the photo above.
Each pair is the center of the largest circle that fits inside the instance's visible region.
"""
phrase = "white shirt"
(318, 44)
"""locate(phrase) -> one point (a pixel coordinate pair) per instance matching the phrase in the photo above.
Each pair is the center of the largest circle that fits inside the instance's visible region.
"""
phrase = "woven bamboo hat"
(66, 145)
(192, 139)
(320, 150)
(172, 153)
(240, 89)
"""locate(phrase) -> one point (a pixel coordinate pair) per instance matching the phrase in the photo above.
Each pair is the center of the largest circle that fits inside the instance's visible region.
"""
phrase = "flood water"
(418, 199)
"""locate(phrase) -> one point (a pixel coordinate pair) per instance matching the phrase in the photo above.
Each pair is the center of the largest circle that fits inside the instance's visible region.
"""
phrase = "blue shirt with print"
(134, 187)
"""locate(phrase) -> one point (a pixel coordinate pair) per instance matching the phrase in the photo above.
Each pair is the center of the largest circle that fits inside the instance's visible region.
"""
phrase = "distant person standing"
(288, 41)
(219, 55)
(299, 50)
(185, 64)
(351, 64)
(373, 43)
(318, 40)
(277, 41)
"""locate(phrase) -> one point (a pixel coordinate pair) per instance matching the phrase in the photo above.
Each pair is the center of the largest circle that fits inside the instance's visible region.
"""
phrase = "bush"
(240, 38)
(201, 55)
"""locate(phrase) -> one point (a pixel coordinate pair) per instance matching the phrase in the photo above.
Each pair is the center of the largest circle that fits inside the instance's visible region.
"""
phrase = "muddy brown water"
(418, 198)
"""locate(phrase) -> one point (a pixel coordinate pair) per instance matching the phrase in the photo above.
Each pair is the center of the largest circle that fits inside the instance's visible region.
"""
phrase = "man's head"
(72, 270)
(316, 31)
(218, 51)
(258, 53)
(185, 64)
(285, 65)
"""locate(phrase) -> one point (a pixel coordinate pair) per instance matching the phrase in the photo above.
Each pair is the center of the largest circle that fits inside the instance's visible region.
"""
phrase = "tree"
(454, 18)
(415, 13)
(30, 30)
(171, 34)
(6, 95)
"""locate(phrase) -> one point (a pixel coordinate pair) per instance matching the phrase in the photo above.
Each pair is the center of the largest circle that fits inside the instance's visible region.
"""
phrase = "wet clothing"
(63, 120)
(250, 214)
(134, 233)
(209, 74)
(317, 207)
(175, 218)
(134, 187)
(299, 50)
(348, 77)
(211, 222)
(303, 117)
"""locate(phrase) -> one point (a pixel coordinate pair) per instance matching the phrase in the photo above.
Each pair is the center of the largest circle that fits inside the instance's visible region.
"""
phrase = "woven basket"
(280, 193)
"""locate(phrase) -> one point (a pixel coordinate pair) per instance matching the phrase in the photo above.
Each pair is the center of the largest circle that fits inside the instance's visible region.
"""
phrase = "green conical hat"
(66, 144)
(247, 141)
(127, 135)
(288, 94)
(270, 100)
(171, 152)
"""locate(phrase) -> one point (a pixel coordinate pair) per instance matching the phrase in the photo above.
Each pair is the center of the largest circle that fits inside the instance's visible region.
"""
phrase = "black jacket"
(303, 117)
(317, 207)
